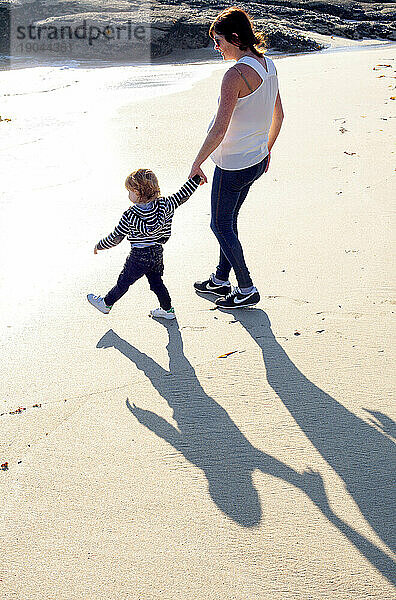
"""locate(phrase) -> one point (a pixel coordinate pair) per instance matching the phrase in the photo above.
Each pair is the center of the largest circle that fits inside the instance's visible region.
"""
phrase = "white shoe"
(163, 314)
(99, 303)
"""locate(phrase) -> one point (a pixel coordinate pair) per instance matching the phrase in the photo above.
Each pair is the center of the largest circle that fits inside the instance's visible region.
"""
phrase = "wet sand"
(152, 468)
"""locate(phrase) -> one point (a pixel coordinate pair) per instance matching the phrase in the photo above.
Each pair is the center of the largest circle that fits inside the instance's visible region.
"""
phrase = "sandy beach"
(141, 465)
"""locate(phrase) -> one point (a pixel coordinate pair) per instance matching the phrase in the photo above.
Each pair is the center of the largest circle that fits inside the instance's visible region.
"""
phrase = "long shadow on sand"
(209, 439)
(362, 455)
(206, 435)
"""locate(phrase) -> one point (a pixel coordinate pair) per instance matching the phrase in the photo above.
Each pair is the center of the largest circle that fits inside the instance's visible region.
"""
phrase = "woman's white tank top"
(246, 141)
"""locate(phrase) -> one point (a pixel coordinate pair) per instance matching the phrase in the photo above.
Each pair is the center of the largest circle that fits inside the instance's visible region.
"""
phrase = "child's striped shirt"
(151, 224)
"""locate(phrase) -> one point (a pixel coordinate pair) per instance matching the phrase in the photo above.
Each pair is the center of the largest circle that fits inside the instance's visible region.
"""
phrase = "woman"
(240, 139)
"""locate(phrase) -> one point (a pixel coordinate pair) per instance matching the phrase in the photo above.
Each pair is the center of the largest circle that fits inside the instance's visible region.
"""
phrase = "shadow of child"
(206, 435)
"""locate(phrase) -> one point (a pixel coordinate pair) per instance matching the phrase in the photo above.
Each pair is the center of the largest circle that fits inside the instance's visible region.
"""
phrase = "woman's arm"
(277, 119)
(230, 88)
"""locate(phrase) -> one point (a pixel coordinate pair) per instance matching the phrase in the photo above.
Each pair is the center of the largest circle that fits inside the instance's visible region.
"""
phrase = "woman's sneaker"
(99, 303)
(163, 314)
(209, 286)
(238, 300)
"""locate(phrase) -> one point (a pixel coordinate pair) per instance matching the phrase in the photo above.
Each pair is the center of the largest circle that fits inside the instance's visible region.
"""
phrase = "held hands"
(196, 170)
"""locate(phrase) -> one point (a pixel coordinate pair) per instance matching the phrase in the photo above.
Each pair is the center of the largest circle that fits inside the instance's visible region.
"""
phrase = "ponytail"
(237, 27)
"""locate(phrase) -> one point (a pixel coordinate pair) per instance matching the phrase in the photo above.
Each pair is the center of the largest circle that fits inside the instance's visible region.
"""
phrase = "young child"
(147, 225)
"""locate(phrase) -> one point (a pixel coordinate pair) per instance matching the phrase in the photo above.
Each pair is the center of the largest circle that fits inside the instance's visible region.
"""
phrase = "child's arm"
(116, 236)
(184, 193)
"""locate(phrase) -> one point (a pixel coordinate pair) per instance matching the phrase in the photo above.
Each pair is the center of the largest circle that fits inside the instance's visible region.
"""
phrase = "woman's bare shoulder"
(231, 74)
(231, 79)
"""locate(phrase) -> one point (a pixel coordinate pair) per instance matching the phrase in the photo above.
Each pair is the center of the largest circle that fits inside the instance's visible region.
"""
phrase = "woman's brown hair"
(144, 183)
(237, 27)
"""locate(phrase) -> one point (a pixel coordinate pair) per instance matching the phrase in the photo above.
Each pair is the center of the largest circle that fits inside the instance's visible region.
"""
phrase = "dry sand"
(153, 469)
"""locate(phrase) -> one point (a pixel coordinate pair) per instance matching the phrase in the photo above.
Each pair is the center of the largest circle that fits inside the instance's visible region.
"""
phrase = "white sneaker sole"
(237, 306)
(170, 316)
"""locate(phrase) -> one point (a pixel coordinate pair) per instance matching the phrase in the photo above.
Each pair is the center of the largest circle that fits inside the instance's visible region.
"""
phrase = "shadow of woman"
(360, 454)
(206, 435)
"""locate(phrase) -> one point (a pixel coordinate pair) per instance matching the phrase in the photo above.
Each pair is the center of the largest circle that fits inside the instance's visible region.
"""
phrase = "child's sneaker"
(163, 314)
(99, 303)
(210, 287)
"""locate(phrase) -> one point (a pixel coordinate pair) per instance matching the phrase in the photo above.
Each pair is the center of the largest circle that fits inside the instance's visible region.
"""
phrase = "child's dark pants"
(142, 261)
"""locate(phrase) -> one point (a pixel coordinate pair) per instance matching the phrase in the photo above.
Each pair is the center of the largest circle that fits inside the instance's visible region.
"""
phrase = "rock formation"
(132, 30)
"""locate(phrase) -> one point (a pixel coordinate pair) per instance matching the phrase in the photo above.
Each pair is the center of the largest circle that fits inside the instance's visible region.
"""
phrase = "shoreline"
(200, 55)
(123, 83)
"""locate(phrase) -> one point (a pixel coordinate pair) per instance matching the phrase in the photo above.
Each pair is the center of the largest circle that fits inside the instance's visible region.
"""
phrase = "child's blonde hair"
(144, 183)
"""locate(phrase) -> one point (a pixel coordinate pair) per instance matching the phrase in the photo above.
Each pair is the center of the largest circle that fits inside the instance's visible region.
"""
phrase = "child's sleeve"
(184, 193)
(117, 235)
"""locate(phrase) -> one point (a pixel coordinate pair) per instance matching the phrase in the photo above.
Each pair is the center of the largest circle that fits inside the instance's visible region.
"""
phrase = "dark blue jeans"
(142, 261)
(229, 190)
